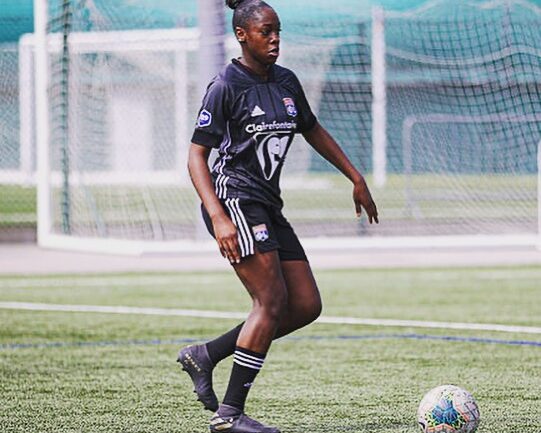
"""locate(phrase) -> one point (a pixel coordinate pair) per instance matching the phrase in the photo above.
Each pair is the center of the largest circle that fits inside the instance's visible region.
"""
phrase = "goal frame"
(409, 124)
(43, 43)
(379, 140)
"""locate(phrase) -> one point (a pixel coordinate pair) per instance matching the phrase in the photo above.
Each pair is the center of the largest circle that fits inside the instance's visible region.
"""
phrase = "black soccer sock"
(246, 365)
(224, 346)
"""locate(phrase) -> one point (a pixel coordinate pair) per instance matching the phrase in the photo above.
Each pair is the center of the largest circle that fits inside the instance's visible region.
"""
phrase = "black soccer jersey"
(252, 122)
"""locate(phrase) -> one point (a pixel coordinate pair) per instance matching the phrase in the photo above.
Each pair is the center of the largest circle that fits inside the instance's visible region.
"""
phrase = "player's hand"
(226, 237)
(363, 199)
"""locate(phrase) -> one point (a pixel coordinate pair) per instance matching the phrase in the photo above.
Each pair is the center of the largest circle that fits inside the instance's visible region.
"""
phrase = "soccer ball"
(448, 409)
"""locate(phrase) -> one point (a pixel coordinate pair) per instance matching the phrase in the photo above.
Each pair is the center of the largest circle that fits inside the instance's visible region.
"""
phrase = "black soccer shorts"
(260, 228)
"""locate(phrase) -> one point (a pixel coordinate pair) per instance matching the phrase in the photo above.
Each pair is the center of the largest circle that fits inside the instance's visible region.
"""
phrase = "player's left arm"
(328, 148)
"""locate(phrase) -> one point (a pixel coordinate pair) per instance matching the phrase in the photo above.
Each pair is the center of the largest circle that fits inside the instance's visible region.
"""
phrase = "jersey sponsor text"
(274, 126)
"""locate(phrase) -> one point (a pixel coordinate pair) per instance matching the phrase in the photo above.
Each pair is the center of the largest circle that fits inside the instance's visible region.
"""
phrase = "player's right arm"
(224, 229)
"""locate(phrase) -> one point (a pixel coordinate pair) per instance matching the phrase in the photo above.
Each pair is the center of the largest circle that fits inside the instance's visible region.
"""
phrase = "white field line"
(100, 282)
(121, 310)
(242, 316)
(182, 280)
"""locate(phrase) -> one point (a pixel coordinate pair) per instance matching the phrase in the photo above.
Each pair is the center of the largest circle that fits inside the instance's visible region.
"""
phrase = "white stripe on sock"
(253, 367)
(249, 357)
(247, 361)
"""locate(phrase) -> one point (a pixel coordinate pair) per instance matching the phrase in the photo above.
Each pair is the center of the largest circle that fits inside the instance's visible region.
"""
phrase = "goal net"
(17, 203)
(463, 120)
(121, 101)
(440, 107)
(10, 158)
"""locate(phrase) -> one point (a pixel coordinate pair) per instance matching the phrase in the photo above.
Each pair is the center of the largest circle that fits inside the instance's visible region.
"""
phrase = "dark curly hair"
(245, 10)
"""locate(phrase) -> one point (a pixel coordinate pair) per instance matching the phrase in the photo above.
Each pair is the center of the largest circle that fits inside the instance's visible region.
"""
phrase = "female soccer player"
(251, 111)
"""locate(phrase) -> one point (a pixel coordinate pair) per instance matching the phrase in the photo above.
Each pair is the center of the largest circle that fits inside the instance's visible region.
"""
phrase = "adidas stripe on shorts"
(260, 228)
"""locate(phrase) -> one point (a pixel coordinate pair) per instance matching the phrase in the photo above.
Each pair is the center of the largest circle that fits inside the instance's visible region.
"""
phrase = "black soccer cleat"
(196, 362)
(228, 419)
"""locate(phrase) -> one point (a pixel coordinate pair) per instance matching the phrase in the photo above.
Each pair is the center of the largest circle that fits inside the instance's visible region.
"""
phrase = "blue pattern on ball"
(445, 413)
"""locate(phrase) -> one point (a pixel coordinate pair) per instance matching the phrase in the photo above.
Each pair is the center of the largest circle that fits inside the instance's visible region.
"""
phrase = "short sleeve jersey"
(252, 123)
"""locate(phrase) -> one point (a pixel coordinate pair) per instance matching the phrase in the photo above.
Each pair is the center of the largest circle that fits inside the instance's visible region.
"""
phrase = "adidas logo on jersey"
(257, 111)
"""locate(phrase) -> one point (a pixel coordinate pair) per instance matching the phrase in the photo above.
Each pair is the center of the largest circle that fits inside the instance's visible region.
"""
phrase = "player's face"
(262, 37)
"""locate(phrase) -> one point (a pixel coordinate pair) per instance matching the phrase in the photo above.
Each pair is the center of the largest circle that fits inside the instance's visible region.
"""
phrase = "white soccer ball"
(448, 409)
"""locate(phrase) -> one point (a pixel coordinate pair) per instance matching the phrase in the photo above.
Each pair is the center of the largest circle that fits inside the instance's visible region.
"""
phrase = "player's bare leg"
(262, 276)
(303, 298)
(303, 307)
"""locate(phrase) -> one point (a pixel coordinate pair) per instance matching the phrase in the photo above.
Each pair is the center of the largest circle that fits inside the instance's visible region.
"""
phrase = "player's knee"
(275, 305)
(308, 311)
(312, 309)
(316, 308)
(278, 305)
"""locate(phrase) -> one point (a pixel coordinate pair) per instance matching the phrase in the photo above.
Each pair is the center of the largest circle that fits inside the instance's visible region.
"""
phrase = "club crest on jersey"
(261, 233)
(205, 119)
(290, 107)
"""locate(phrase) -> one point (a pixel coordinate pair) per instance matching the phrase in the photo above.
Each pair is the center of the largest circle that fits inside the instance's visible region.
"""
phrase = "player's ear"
(240, 34)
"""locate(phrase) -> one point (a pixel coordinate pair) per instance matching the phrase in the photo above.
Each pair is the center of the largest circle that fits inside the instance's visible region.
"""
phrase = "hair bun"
(233, 4)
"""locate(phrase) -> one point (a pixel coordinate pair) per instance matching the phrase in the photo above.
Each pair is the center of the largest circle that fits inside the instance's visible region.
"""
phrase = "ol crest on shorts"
(290, 107)
(261, 233)
(205, 119)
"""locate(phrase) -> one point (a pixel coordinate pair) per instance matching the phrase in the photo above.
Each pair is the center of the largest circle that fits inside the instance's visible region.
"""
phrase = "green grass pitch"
(90, 372)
